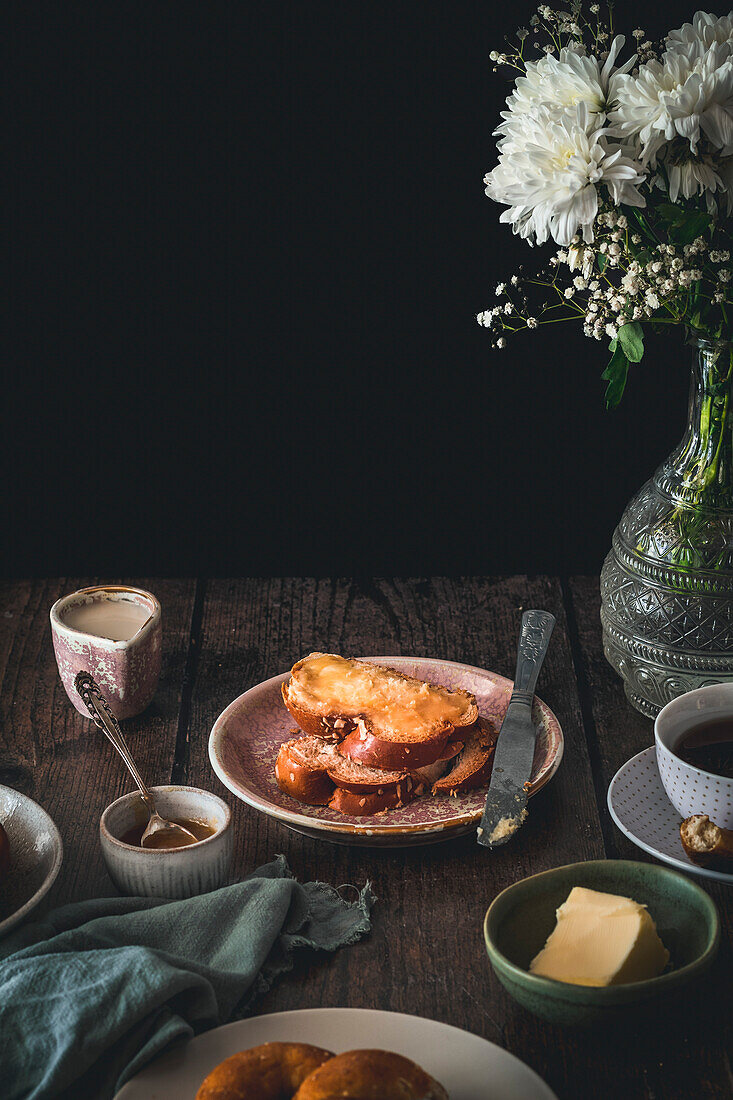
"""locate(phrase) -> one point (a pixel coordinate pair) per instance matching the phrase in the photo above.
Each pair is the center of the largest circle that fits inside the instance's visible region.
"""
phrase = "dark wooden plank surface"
(48, 751)
(425, 954)
(694, 1060)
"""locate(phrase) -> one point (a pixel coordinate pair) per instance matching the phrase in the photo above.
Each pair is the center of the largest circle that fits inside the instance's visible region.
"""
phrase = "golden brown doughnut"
(370, 1075)
(273, 1071)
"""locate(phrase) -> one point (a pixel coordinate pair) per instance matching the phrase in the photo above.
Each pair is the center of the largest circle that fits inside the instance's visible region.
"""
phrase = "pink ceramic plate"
(246, 737)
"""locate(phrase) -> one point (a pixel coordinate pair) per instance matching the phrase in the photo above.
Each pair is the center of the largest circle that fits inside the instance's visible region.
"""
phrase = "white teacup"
(692, 790)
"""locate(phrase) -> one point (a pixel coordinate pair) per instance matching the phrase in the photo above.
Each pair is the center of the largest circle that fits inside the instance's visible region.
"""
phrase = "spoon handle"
(103, 717)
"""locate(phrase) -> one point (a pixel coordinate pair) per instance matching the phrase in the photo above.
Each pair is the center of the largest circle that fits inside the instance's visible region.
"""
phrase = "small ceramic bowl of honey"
(177, 872)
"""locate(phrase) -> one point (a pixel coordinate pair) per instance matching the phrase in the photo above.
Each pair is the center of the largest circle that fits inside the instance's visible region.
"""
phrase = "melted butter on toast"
(325, 684)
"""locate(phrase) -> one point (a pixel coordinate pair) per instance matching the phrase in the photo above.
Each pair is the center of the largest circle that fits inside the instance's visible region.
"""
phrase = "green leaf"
(614, 344)
(691, 227)
(601, 261)
(615, 374)
(631, 341)
(668, 212)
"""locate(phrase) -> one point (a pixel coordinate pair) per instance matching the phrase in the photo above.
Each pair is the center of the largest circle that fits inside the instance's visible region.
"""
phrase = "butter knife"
(506, 802)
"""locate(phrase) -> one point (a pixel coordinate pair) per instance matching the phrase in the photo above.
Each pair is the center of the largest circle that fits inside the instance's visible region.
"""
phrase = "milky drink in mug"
(114, 633)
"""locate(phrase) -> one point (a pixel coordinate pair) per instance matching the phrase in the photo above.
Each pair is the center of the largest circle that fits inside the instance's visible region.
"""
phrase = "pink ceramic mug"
(114, 632)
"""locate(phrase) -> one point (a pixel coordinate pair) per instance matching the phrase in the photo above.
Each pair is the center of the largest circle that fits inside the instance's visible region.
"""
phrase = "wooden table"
(425, 954)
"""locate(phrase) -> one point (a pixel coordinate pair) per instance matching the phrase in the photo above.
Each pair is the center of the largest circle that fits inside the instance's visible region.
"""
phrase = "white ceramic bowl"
(36, 853)
(173, 873)
(689, 789)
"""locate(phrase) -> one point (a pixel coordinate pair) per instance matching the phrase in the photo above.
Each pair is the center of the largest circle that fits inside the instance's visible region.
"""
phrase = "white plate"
(246, 737)
(468, 1067)
(639, 805)
(36, 853)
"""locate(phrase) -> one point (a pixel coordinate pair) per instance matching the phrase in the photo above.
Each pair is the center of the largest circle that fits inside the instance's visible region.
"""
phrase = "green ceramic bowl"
(520, 919)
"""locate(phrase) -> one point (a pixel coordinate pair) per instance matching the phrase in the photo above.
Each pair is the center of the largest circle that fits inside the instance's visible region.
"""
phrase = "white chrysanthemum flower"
(689, 176)
(696, 38)
(563, 82)
(549, 176)
(725, 171)
(581, 258)
(685, 96)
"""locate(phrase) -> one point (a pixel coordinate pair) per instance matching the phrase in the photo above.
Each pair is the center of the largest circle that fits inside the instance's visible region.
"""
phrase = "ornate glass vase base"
(667, 583)
(648, 689)
(650, 710)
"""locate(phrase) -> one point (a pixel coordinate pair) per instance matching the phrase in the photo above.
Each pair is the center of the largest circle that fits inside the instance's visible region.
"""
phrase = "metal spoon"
(158, 827)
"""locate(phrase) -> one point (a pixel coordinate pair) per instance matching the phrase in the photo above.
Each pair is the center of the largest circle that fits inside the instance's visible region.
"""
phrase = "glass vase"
(667, 582)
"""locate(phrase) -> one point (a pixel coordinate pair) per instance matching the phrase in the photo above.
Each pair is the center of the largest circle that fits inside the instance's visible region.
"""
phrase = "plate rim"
(15, 918)
(454, 824)
(299, 1012)
(685, 865)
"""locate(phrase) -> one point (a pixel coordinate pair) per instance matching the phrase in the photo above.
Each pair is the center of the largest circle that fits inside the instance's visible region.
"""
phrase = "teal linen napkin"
(97, 989)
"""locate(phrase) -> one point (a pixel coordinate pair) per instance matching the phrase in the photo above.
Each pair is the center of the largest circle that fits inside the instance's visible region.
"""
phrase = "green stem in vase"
(702, 468)
(702, 473)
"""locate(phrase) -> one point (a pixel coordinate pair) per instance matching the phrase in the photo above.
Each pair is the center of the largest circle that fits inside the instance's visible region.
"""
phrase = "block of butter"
(601, 939)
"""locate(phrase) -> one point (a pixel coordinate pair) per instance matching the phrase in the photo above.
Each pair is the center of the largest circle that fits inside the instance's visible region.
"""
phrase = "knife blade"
(506, 802)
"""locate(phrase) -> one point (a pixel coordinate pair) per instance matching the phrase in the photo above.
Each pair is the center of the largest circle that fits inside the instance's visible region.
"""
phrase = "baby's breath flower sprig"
(550, 30)
(528, 302)
(627, 277)
(604, 150)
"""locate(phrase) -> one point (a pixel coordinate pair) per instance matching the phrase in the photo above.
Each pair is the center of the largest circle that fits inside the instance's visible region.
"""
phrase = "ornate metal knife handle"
(534, 638)
(102, 716)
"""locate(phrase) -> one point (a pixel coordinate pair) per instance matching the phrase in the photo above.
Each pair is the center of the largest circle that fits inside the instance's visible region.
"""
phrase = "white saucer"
(640, 807)
(466, 1065)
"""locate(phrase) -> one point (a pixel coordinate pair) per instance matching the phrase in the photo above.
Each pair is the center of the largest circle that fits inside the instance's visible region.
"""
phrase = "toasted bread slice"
(472, 768)
(706, 843)
(431, 772)
(313, 771)
(300, 771)
(391, 798)
(351, 776)
(365, 747)
(331, 696)
(329, 727)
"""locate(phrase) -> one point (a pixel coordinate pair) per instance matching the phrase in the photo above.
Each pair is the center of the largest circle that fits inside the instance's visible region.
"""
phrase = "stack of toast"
(374, 739)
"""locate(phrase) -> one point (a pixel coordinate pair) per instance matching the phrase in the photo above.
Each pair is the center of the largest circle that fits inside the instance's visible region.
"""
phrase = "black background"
(248, 244)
